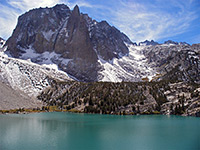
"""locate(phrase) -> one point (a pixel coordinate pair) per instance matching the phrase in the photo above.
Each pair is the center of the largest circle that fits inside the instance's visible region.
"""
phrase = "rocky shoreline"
(38, 110)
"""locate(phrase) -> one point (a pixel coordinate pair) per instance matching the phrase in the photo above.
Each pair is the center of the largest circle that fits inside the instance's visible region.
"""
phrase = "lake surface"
(66, 131)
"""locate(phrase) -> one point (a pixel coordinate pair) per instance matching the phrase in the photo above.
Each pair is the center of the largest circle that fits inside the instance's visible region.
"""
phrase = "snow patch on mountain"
(46, 58)
(47, 35)
(2, 43)
(131, 67)
(29, 53)
(26, 76)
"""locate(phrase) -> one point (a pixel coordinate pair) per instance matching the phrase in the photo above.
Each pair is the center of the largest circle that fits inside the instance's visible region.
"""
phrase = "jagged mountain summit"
(88, 50)
(175, 43)
(153, 43)
(146, 42)
(73, 40)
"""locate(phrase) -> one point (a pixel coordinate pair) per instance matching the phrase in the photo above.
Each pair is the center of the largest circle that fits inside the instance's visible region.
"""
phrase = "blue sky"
(159, 20)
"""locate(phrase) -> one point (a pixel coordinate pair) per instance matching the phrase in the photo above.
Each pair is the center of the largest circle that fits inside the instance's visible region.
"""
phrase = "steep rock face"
(75, 40)
(74, 43)
(95, 51)
(109, 42)
(175, 62)
(37, 29)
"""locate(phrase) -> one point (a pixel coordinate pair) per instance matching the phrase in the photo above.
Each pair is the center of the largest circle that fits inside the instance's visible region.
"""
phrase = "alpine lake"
(70, 131)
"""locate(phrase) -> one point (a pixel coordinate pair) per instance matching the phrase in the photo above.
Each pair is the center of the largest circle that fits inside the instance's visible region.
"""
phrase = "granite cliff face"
(95, 51)
(75, 40)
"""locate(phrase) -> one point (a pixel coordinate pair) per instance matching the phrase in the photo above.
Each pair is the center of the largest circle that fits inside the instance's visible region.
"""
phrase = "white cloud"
(25, 5)
(8, 21)
(80, 3)
(145, 21)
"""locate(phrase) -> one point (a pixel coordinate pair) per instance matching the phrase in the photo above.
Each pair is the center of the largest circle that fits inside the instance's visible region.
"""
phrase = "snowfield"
(26, 76)
(131, 67)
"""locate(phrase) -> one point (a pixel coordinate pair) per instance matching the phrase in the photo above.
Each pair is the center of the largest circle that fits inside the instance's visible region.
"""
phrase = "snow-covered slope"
(47, 58)
(2, 43)
(131, 67)
(153, 62)
(72, 38)
(94, 51)
(26, 76)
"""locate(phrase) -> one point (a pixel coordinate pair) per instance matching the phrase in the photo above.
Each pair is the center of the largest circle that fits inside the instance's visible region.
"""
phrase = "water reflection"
(59, 131)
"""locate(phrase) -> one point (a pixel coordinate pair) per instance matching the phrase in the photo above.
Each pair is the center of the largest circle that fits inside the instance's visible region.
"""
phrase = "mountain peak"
(76, 43)
(61, 6)
(183, 43)
(76, 10)
(171, 42)
(175, 43)
(146, 42)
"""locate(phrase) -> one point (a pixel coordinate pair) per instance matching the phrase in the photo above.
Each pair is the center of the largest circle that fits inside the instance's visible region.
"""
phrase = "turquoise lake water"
(66, 131)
